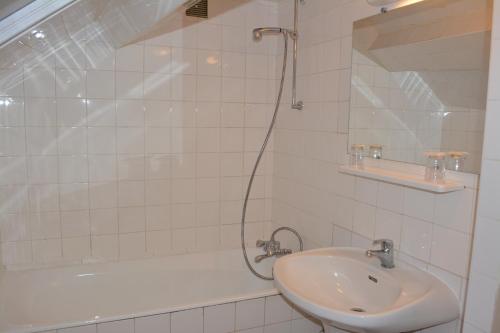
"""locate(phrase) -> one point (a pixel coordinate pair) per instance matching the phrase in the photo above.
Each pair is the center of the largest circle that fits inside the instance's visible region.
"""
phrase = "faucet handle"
(260, 243)
(386, 244)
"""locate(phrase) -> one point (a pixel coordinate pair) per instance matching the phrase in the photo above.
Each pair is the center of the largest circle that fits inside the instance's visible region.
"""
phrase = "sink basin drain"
(358, 310)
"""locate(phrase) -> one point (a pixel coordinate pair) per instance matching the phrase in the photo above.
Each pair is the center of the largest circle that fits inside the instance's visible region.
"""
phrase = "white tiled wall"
(483, 298)
(260, 315)
(115, 154)
(431, 231)
(141, 151)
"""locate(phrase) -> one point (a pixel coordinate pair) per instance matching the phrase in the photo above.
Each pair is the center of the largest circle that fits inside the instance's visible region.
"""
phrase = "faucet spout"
(385, 255)
(272, 247)
(261, 257)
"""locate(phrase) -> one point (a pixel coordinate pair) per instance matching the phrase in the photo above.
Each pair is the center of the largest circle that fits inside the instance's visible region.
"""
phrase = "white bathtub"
(38, 300)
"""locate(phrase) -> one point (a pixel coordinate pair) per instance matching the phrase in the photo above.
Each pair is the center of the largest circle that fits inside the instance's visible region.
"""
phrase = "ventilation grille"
(200, 9)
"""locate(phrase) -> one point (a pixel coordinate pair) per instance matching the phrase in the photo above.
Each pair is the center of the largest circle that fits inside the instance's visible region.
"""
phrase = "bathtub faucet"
(273, 248)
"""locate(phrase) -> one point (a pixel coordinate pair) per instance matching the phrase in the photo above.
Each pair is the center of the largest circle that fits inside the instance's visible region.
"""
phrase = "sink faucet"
(386, 254)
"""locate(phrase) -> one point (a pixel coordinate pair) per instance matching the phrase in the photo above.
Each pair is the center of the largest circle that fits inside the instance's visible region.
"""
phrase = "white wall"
(142, 151)
(431, 231)
(483, 298)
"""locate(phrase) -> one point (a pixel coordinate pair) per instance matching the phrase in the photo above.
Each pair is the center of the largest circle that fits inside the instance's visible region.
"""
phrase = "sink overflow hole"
(357, 310)
(374, 279)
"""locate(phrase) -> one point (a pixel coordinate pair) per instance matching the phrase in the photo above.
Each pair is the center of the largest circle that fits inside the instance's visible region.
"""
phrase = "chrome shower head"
(259, 32)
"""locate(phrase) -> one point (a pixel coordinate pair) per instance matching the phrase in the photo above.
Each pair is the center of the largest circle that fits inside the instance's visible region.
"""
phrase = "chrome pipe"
(297, 105)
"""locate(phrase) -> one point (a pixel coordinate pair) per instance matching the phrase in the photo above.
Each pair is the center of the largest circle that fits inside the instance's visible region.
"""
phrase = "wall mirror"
(419, 81)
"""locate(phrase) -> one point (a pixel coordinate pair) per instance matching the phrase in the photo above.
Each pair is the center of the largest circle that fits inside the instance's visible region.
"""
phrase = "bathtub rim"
(226, 300)
(237, 297)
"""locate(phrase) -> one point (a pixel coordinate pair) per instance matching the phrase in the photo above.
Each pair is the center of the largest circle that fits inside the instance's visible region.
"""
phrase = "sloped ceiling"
(114, 22)
(179, 19)
(7, 7)
(434, 37)
(429, 35)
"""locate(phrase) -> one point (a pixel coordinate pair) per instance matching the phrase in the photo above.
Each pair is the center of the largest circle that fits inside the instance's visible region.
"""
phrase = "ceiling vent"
(199, 9)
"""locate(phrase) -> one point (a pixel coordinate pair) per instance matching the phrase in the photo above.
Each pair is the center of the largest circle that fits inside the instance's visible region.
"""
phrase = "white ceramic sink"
(347, 290)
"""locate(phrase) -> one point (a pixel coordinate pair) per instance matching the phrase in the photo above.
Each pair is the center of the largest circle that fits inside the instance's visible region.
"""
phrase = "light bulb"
(380, 2)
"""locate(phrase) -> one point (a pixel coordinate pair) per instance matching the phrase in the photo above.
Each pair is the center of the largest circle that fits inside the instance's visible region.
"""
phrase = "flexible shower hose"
(257, 162)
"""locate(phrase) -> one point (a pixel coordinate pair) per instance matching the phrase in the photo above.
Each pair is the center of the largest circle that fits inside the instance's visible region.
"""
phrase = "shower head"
(259, 32)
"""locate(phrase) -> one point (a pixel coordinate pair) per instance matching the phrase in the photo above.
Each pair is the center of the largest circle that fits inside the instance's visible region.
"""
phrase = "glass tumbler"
(357, 156)
(435, 168)
(456, 160)
(375, 151)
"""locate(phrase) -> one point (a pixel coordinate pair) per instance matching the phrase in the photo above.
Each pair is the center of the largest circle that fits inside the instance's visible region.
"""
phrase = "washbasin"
(346, 289)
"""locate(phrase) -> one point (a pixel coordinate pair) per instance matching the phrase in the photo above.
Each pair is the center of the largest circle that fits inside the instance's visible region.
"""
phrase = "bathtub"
(55, 298)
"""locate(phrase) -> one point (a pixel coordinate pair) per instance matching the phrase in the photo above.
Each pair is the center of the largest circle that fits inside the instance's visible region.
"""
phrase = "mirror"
(419, 81)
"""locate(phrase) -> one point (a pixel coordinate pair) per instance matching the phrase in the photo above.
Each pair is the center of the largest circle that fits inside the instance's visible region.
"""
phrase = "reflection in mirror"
(419, 81)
